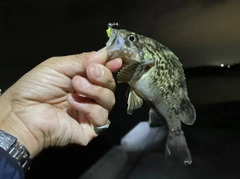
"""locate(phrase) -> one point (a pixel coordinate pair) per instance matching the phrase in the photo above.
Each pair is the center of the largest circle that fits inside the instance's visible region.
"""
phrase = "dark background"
(204, 34)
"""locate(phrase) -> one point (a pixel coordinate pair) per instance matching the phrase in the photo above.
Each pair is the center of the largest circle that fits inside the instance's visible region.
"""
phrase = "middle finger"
(101, 95)
(100, 75)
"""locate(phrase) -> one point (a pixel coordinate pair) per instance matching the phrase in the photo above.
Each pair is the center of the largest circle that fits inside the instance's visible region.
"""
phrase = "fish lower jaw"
(125, 55)
(114, 54)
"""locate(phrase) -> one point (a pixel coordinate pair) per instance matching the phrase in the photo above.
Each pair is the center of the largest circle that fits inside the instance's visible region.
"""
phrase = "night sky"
(199, 32)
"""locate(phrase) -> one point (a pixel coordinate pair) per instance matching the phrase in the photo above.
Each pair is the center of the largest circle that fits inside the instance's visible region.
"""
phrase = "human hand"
(60, 100)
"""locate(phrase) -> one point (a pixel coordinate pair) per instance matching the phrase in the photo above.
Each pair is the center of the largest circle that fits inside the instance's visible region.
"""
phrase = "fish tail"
(177, 148)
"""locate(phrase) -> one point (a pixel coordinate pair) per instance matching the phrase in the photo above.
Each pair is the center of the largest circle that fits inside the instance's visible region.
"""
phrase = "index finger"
(73, 65)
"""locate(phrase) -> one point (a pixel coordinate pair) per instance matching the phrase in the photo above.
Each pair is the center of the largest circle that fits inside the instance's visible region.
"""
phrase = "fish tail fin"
(188, 113)
(177, 148)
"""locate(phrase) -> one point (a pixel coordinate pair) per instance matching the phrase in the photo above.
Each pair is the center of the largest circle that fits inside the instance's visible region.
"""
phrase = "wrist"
(12, 124)
(16, 150)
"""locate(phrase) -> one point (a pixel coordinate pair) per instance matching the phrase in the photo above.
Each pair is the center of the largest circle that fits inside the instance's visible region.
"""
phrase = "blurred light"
(229, 66)
(222, 65)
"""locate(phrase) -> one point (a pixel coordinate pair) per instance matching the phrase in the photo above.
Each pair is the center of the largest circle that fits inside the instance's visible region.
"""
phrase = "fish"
(154, 75)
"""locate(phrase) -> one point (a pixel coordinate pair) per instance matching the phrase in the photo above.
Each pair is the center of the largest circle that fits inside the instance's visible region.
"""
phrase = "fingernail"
(97, 70)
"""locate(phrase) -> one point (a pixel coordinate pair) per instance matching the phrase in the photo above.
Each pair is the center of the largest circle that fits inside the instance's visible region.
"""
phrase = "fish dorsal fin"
(127, 73)
(188, 113)
(174, 60)
(134, 101)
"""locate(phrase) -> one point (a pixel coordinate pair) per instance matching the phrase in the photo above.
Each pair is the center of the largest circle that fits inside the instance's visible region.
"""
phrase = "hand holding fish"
(60, 100)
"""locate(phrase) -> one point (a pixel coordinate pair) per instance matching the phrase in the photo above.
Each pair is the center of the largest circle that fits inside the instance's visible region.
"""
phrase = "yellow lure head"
(108, 31)
(110, 25)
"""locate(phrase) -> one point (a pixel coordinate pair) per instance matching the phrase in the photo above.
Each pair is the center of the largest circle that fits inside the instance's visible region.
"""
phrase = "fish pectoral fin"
(127, 73)
(134, 101)
(147, 63)
(188, 113)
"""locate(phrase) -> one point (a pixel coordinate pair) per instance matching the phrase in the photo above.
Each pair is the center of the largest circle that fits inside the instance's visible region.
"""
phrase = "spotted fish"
(156, 76)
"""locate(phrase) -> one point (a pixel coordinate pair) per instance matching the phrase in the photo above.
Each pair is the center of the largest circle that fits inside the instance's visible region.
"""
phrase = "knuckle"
(92, 111)
(112, 103)
(87, 58)
(104, 114)
(112, 84)
(84, 142)
(52, 58)
(100, 91)
(105, 97)
(97, 114)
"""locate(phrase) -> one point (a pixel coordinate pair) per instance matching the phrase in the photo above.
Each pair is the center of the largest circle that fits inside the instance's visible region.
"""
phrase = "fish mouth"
(119, 54)
(116, 48)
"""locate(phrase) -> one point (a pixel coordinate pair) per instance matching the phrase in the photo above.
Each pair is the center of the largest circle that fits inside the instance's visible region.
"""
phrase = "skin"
(60, 100)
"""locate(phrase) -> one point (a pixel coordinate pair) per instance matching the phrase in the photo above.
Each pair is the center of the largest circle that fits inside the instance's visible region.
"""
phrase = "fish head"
(124, 44)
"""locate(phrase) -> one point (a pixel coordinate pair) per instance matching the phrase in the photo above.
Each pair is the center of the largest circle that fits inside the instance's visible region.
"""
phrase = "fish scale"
(155, 75)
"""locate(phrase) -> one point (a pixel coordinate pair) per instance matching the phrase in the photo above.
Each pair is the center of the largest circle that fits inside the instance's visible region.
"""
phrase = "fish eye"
(131, 38)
